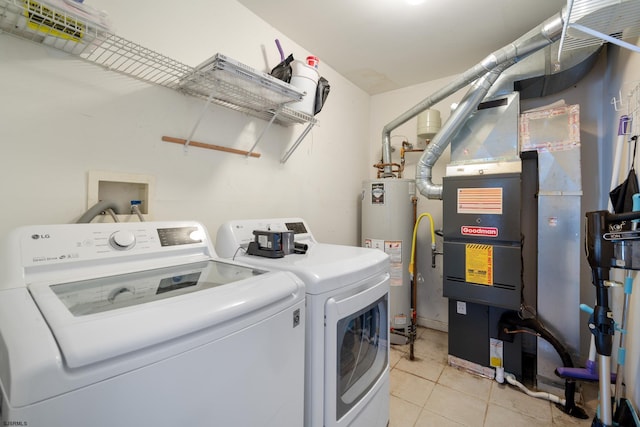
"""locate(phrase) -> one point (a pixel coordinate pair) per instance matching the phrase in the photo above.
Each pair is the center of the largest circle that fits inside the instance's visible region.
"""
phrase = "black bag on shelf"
(322, 91)
(283, 70)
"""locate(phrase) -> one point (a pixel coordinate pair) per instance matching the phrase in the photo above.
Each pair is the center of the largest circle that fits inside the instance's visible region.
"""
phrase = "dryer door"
(357, 345)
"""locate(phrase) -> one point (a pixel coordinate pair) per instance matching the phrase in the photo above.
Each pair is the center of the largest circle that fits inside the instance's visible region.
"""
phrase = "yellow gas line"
(413, 242)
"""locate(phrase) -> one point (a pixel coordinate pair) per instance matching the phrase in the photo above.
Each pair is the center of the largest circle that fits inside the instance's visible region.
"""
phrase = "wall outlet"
(461, 307)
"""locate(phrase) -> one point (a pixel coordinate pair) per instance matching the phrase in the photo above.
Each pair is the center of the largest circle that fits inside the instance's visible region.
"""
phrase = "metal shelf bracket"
(264, 130)
(195, 126)
(298, 141)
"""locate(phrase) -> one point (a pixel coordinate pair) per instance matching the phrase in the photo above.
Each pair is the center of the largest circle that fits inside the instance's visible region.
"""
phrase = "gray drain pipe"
(97, 209)
(536, 39)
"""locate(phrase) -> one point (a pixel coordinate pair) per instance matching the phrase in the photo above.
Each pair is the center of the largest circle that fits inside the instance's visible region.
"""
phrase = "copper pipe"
(381, 166)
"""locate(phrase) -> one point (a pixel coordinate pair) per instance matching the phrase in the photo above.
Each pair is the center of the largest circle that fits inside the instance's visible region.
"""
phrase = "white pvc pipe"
(511, 379)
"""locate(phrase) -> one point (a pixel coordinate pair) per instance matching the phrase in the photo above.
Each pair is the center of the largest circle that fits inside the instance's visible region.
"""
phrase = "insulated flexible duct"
(536, 39)
(470, 102)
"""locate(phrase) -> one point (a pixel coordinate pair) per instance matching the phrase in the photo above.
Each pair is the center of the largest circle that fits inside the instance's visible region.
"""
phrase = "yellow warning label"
(479, 264)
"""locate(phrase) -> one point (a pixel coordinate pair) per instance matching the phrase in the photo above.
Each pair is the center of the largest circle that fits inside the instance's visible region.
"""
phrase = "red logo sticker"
(468, 230)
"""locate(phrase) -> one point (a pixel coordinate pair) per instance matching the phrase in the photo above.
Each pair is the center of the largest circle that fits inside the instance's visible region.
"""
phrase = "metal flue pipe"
(437, 146)
(536, 39)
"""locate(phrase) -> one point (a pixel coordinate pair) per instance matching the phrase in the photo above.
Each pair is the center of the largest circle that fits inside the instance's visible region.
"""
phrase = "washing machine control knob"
(122, 240)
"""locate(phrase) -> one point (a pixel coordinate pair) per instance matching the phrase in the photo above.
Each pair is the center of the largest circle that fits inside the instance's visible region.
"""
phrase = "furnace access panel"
(482, 239)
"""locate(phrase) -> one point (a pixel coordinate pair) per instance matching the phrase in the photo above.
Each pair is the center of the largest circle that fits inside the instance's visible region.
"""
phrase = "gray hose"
(112, 214)
(136, 210)
(96, 210)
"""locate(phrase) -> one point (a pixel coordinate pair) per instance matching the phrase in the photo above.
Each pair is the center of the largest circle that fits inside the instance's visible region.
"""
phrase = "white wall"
(62, 117)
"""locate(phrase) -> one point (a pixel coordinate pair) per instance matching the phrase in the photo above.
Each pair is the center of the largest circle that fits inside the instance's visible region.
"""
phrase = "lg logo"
(40, 236)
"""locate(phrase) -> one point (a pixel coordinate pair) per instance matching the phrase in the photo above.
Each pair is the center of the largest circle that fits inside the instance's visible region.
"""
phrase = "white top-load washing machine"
(139, 324)
(347, 365)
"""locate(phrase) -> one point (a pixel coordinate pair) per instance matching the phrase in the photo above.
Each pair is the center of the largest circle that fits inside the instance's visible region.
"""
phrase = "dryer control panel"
(237, 234)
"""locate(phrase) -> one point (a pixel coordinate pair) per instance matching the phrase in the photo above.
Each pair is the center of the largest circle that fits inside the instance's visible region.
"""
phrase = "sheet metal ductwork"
(539, 75)
(536, 39)
(534, 76)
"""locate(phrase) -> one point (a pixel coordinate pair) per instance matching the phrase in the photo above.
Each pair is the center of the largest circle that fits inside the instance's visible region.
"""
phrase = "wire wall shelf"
(219, 80)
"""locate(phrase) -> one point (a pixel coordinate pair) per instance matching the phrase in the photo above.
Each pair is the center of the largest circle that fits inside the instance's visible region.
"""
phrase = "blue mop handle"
(636, 205)
(586, 308)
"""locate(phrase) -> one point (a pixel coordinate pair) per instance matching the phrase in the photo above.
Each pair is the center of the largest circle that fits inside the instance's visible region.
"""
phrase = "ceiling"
(383, 45)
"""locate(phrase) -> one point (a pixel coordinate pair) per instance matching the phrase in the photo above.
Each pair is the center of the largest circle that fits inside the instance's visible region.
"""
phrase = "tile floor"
(428, 392)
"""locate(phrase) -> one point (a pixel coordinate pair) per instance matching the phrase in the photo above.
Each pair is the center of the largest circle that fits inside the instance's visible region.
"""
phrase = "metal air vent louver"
(594, 22)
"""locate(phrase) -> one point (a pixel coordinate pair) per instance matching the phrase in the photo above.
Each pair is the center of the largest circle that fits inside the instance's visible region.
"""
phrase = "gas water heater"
(387, 224)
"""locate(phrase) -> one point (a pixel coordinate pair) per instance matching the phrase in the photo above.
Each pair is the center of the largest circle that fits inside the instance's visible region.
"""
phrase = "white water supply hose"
(511, 379)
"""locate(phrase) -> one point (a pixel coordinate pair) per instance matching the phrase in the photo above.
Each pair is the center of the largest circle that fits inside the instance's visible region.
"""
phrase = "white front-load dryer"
(347, 340)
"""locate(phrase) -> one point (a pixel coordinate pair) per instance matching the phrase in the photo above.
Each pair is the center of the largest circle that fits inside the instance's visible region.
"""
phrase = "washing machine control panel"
(68, 243)
(122, 240)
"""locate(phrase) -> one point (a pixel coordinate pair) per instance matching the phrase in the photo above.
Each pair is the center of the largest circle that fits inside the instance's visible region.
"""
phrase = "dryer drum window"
(362, 353)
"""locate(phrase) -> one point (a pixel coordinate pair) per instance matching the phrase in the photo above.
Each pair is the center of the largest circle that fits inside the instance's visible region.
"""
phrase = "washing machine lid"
(326, 267)
(101, 318)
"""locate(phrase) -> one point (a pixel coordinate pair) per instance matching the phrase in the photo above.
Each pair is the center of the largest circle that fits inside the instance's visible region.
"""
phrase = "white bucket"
(304, 78)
